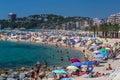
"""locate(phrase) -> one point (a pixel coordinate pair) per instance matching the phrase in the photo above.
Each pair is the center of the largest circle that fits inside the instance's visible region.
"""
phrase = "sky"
(85, 8)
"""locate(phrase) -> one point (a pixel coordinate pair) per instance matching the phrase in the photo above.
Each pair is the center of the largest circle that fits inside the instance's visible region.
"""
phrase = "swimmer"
(57, 51)
(68, 58)
(61, 51)
(53, 56)
(62, 59)
(67, 52)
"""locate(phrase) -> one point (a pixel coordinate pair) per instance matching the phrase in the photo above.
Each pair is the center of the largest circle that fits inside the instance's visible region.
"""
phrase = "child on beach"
(109, 67)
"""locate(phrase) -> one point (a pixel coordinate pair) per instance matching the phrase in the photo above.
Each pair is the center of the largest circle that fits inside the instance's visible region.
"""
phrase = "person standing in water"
(85, 55)
(62, 59)
(53, 56)
(68, 58)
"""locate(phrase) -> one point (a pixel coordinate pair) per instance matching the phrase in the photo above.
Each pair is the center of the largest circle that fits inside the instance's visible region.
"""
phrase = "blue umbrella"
(89, 70)
(72, 41)
(77, 64)
(99, 56)
(104, 54)
(88, 63)
(59, 71)
(93, 47)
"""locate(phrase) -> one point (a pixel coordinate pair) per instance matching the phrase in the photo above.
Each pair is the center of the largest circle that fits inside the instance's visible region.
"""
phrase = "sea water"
(18, 54)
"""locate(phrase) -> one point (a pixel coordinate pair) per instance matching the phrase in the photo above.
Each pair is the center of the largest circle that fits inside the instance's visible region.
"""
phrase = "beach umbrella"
(77, 64)
(88, 63)
(99, 56)
(72, 41)
(96, 51)
(97, 59)
(72, 68)
(93, 47)
(104, 53)
(74, 60)
(88, 42)
(107, 47)
(107, 42)
(59, 71)
(116, 47)
(93, 44)
(102, 50)
(89, 70)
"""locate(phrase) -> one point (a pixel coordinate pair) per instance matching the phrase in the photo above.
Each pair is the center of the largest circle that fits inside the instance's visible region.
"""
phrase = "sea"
(14, 55)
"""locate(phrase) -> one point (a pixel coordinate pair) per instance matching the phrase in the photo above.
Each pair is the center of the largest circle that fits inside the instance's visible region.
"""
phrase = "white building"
(96, 21)
(114, 18)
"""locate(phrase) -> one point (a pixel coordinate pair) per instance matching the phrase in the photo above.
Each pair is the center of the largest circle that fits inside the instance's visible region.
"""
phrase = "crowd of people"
(94, 50)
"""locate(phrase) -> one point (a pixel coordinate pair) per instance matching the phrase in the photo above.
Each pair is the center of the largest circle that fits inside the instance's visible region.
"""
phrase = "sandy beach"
(101, 69)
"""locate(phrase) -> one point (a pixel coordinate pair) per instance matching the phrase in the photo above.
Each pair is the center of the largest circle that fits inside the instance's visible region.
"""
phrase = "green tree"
(94, 29)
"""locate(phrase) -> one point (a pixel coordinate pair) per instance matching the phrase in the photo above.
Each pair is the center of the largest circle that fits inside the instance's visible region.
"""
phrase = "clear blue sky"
(88, 8)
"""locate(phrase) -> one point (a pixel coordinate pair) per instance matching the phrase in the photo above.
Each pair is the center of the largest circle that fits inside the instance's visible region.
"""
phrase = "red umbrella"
(74, 60)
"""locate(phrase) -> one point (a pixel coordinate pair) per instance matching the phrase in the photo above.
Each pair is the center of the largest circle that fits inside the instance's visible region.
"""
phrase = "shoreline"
(42, 43)
(79, 48)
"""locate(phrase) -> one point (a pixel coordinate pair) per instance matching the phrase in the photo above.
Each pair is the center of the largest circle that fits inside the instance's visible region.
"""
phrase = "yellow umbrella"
(88, 43)
(106, 42)
(72, 68)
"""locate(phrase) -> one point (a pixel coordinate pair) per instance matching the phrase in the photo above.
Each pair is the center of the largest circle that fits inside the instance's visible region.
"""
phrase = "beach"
(90, 56)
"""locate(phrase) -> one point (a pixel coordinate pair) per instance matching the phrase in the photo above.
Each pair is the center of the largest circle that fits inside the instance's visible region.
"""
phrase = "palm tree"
(94, 29)
(116, 29)
(104, 29)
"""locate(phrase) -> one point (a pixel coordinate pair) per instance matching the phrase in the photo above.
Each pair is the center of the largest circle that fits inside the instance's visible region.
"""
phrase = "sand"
(114, 63)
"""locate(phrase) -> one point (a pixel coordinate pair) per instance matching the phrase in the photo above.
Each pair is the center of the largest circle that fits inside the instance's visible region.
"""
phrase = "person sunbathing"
(95, 74)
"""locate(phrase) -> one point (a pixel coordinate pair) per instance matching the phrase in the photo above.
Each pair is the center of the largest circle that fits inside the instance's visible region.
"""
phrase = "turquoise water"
(17, 54)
